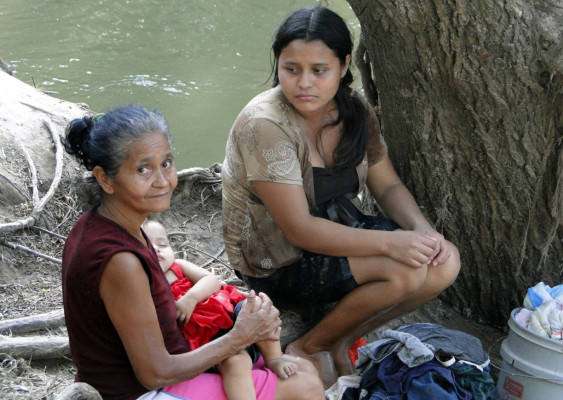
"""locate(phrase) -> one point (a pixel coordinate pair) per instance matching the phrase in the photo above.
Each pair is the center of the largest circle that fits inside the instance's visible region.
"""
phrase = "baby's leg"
(237, 377)
(271, 351)
(274, 359)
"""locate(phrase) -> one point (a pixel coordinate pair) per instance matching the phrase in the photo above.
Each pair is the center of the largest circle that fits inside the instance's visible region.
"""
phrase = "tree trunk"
(470, 105)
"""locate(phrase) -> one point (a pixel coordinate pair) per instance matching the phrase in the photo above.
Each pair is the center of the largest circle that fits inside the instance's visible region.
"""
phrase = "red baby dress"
(210, 315)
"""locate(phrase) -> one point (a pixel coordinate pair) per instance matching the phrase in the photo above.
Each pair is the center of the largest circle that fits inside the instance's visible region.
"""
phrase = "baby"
(199, 293)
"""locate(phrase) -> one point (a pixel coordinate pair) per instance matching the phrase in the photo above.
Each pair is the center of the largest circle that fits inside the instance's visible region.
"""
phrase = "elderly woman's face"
(147, 177)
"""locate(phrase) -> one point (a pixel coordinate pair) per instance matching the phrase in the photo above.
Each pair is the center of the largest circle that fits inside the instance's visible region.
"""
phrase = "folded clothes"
(541, 292)
(523, 317)
(543, 312)
(541, 317)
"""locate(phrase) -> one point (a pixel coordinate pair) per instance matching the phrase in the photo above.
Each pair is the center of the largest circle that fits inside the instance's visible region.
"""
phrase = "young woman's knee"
(410, 279)
(451, 267)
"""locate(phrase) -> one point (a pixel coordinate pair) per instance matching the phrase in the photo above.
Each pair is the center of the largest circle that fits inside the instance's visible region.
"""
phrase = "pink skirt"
(210, 386)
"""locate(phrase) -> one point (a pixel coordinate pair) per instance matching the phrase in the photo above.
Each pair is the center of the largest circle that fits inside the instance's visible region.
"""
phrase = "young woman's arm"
(205, 284)
(125, 290)
(398, 204)
(288, 206)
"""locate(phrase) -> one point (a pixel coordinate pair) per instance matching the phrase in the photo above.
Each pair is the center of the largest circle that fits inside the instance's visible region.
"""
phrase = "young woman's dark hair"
(103, 139)
(320, 23)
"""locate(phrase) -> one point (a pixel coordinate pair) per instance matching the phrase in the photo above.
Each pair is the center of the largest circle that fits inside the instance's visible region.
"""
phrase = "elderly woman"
(120, 312)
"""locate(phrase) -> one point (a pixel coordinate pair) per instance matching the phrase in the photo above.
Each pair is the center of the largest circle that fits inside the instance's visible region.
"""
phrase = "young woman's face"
(146, 179)
(309, 74)
(159, 239)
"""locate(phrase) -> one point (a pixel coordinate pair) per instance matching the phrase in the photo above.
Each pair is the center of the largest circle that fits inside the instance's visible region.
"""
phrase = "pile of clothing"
(419, 362)
(543, 311)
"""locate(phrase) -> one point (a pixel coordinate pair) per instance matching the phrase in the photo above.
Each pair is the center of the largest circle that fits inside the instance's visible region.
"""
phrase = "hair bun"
(76, 139)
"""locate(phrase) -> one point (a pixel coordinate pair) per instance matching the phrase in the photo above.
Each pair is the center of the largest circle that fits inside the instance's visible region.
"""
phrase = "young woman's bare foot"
(322, 361)
(342, 361)
(282, 367)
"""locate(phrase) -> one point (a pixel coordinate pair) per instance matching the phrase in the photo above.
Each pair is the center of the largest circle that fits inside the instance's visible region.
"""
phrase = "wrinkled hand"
(262, 324)
(184, 308)
(441, 250)
(413, 248)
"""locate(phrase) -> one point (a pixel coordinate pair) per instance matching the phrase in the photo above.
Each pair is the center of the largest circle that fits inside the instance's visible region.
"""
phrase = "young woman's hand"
(412, 248)
(442, 251)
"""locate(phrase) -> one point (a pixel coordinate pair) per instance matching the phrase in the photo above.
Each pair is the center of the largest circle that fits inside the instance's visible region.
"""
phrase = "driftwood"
(35, 347)
(33, 323)
(191, 176)
(30, 251)
(201, 175)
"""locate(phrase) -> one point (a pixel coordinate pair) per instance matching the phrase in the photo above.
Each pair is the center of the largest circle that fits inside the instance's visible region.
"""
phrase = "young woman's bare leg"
(438, 279)
(387, 290)
(386, 284)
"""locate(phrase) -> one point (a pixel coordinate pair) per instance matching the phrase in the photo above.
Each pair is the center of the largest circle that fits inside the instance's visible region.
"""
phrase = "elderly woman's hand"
(257, 320)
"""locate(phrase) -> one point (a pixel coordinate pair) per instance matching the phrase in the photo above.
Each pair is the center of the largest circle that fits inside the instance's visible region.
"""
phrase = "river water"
(197, 61)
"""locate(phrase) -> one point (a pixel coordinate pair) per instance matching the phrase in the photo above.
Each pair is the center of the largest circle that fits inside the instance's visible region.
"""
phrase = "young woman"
(296, 158)
(124, 337)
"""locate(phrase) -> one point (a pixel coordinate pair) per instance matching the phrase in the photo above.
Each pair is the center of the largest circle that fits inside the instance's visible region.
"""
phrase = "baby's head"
(159, 239)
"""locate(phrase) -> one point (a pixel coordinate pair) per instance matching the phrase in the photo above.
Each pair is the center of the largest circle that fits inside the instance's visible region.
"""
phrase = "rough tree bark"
(470, 104)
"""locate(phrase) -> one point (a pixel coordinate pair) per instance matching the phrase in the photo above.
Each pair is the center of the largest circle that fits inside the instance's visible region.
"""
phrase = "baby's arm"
(205, 284)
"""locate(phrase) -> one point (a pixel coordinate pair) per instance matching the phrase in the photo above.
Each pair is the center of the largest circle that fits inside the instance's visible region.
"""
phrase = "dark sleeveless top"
(95, 346)
(334, 191)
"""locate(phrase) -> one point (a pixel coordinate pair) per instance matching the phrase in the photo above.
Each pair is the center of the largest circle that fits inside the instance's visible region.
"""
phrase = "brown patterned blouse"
(266, 144)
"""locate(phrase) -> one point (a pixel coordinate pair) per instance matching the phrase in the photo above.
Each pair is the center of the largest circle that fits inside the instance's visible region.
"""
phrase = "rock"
(79, 391)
